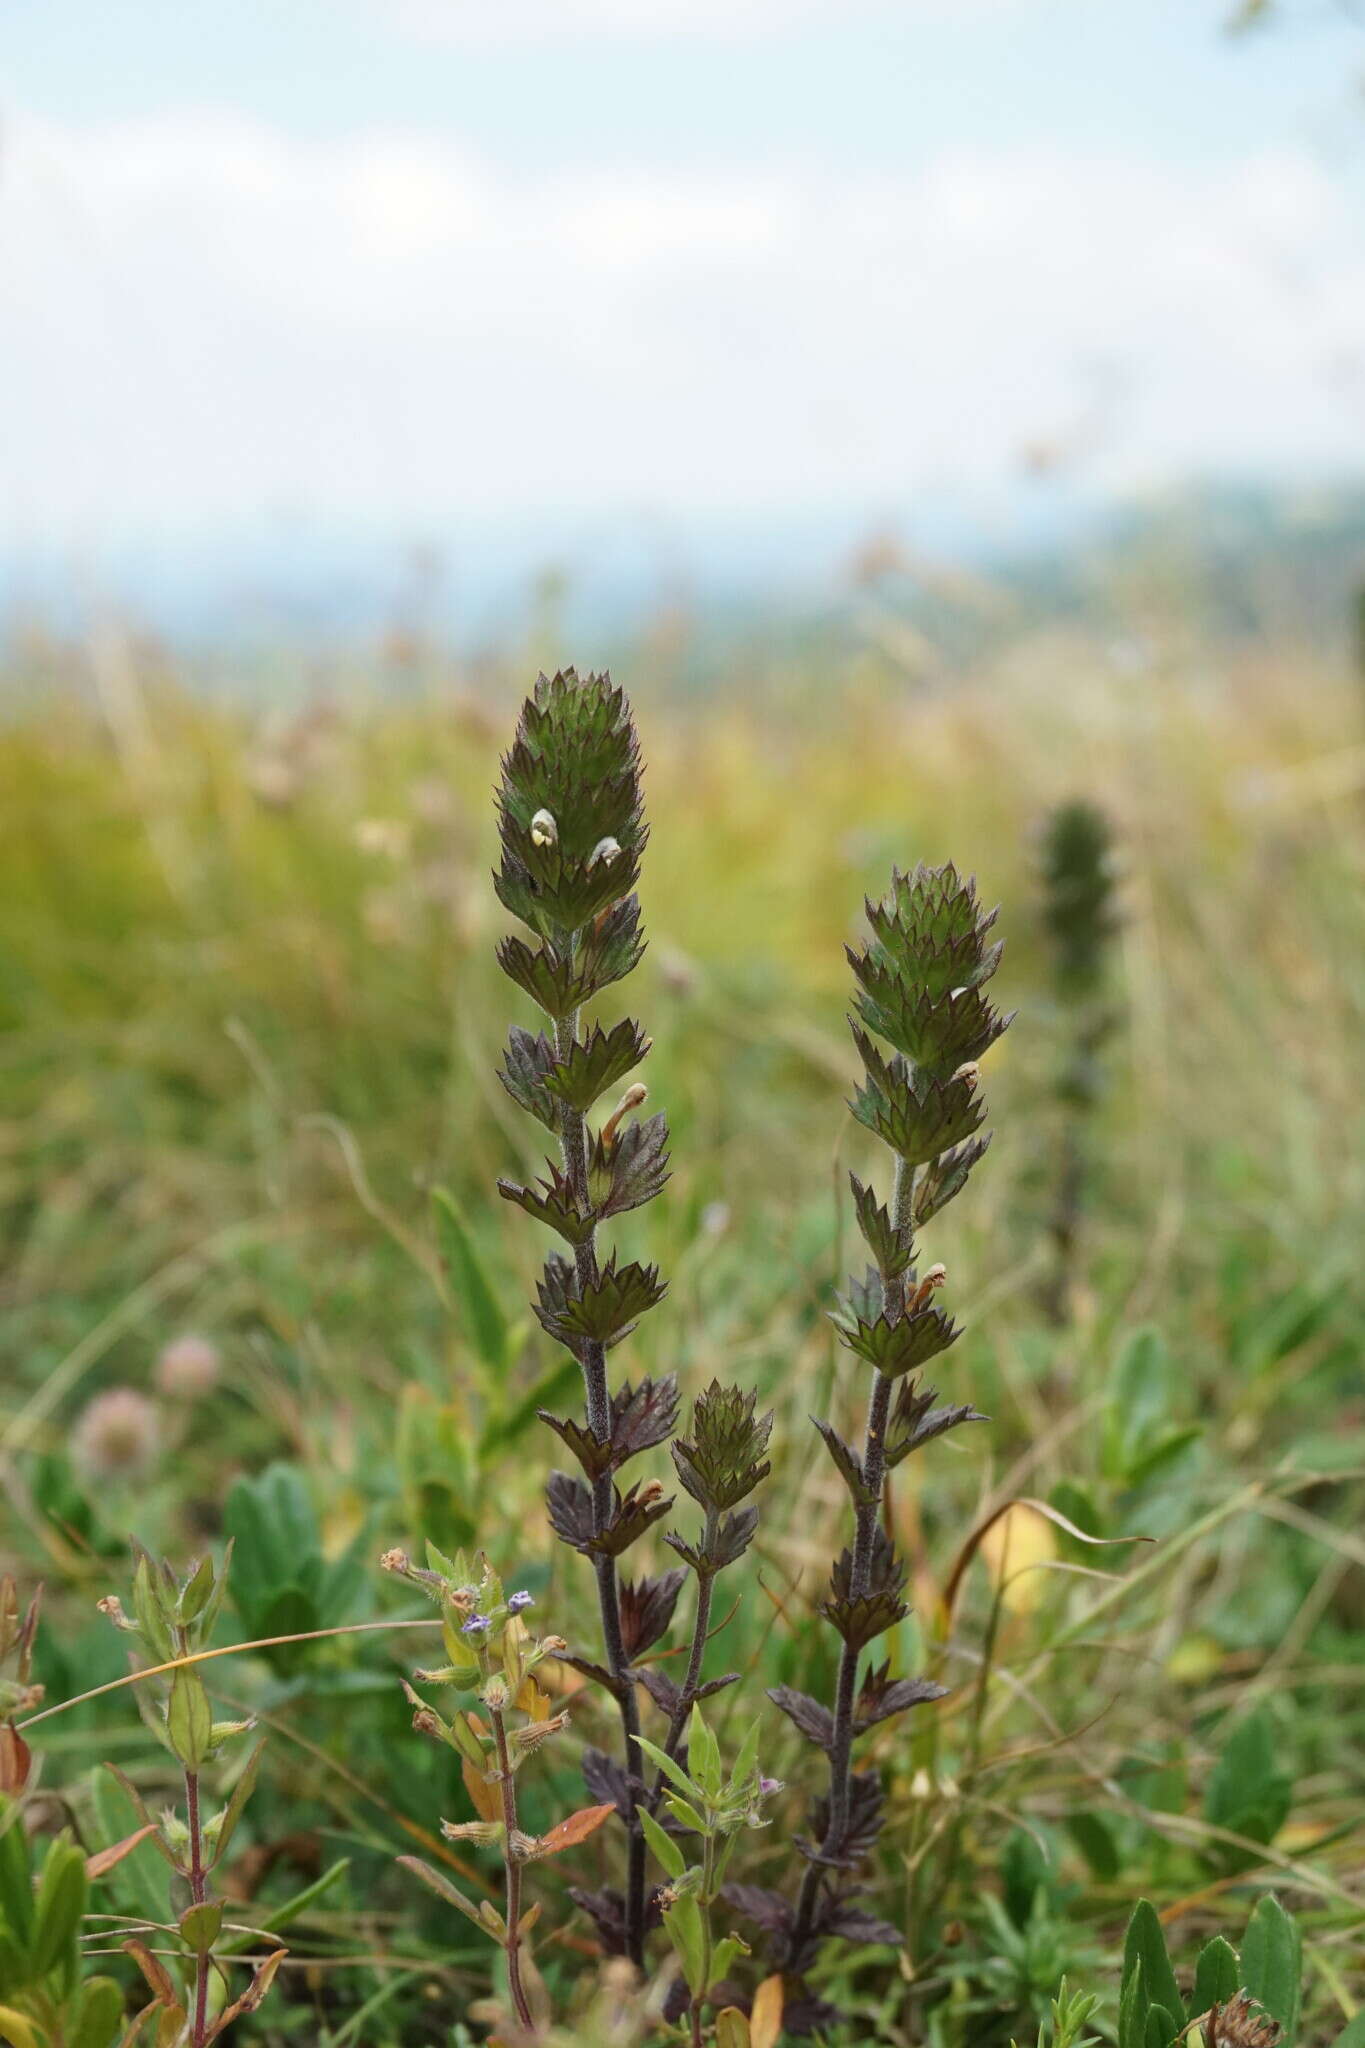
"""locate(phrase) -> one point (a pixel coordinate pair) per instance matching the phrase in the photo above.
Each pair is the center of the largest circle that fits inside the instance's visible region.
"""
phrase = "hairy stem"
(512, 1869)
(597, 1398)
(866, 1518)
(199, 1891)
(696, 1656)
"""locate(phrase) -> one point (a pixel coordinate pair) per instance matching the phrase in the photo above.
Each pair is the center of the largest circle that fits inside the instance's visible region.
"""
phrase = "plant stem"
(866, 1518)
(512, 1868)
(199, 1891)
(701, 1627)
(597, 1399)
(708, 1886)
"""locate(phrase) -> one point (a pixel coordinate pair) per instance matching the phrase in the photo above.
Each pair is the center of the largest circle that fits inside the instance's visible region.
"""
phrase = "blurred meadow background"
(932, 414)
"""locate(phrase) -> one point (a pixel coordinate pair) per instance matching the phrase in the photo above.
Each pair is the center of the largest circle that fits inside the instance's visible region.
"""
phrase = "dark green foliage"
(896, 1348)
(921, 985)
(572, 827)
(722, 1461)
(915, 1115)
(1248, 1793)
(595, 1064)
(602, 1311)
(41, 1973)
(916, 1421)
(283, 1581)
(1246, 2001)
(1080, 918)
(892, 1245)
(1079, 894)
(863, 1611)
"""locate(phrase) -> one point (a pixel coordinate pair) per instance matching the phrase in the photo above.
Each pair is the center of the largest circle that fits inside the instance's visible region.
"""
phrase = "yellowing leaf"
(532, 1701)
(574, 1830)
(765, 2020)
(486, 1798)
(15, 2029)
(105, 1860)
(1013, 1548)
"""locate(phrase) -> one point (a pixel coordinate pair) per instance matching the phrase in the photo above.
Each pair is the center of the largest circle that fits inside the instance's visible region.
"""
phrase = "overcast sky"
(380, 263)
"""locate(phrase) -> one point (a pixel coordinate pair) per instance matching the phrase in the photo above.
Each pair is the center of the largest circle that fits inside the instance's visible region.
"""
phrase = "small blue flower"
(768, 1786)
(477, 1625)
(519, 1602)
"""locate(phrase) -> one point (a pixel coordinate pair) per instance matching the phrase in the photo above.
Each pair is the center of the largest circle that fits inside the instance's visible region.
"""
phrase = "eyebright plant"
(571, 821)
(921, 979)
(493, 1655)
(710, 1807)
(173, 1618)
(1080, 918)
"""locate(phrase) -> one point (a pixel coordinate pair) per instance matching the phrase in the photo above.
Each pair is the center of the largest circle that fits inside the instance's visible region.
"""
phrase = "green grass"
(244, 1033)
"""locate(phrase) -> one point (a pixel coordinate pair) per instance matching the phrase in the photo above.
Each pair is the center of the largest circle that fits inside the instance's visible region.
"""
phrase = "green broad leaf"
(200, 1926)
(99, 2015)
(1354, 2036)
(438, 1882)
(274, 1527)
(1272, 1964)
(1163, 1454)
(197, 1591)
(59, 1909)
(121, 1810)
(237, 1799)
(1080, 1507)
(666, 1849)
(484, 1322)
(1139, 1407)
(466, 1740)
(1096, 1843)
(671, 1769)
(189, 1719)
(727, 1954)
(1217, 1974)
(1145, 1943)
(685, 1814)
(732, 2029)
(684, 1923)
(746, 1760)
(1247, 1792)
(16, 1886)
(703, 1756)
(149, 1608)
(1161, 2028)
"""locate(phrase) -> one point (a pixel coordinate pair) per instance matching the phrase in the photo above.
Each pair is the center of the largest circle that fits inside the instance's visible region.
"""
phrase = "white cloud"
(200, 318)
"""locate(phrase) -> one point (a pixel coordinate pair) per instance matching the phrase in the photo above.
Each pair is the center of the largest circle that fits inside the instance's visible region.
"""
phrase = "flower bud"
(519, 1602)
(482, 1831)
(632, 1099)
(935, 1277)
